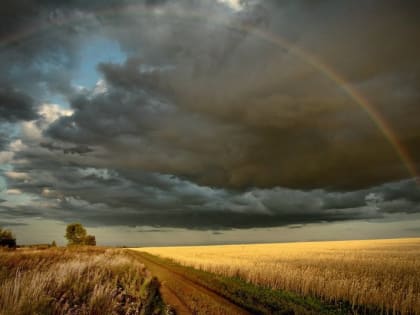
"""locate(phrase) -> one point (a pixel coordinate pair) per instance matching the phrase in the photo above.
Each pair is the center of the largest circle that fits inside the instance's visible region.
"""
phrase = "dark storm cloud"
(207, 125)
(94, 196)
(15, 106)
(4, 140)
(282, 123)
(40, 42)
(66, 150)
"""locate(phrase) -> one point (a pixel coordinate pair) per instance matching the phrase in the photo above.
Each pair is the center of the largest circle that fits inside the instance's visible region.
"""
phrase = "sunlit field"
(383, 275)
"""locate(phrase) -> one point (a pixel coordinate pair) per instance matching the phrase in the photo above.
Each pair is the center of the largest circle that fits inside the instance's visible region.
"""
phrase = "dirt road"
(185, 295)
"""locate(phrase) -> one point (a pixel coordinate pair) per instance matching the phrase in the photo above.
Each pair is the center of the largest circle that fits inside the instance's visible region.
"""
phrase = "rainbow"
(356, 96)
(307, 57)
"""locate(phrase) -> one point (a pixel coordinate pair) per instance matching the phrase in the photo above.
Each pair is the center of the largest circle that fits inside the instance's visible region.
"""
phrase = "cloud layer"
(206, 124)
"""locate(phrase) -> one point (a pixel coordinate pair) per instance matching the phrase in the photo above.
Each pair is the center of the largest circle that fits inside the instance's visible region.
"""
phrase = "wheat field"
(383, 275)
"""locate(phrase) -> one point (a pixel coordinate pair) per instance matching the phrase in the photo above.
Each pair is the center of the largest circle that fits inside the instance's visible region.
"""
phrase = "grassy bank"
(76, 281)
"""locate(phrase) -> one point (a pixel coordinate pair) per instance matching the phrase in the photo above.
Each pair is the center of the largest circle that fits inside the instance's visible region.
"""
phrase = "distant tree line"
(75, 233)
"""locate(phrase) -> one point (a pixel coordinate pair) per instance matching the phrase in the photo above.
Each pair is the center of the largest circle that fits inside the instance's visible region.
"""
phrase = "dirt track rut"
(185, 295)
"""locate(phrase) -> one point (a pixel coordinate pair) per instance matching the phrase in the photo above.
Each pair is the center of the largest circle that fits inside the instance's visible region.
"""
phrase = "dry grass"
(380, 274)
(75, 281)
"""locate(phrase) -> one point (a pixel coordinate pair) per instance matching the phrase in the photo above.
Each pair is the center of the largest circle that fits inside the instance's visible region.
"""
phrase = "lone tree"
(7, 239)
(76, 235)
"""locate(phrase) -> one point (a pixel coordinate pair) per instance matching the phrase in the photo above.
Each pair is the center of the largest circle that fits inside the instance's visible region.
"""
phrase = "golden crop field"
(384, 274)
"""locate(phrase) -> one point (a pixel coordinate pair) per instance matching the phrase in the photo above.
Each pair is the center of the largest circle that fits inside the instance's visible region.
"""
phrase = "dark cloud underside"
(15, 106)
(207, 125)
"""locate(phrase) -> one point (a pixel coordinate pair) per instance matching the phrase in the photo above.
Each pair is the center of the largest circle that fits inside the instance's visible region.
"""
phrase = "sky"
(158, 122)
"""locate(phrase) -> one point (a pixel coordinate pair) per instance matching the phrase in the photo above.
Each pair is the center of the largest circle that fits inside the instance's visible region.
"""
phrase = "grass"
(76, 281)
(380, 276)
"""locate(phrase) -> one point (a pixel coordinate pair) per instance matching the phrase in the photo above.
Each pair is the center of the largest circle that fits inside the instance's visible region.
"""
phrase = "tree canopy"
(7, 239)
(90, 240)
(6, 234)
(76, 235)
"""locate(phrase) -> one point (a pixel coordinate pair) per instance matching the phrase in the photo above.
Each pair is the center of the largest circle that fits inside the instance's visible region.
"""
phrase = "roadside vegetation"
(377, 276)
(76, 280)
